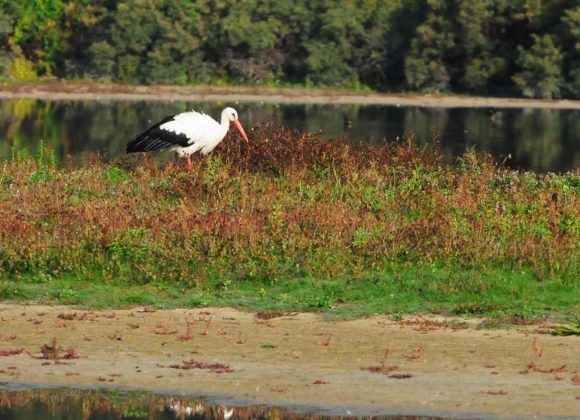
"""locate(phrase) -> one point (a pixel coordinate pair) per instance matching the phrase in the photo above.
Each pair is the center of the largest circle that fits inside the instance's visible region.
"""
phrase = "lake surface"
(65, 404)
(535, 139)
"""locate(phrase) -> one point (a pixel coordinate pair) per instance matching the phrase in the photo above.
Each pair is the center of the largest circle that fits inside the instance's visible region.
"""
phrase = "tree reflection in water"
(108, 405)
(77, 131)
(100, 405)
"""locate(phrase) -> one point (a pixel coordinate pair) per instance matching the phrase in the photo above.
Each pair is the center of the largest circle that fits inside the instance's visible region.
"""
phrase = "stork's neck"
(225, 121)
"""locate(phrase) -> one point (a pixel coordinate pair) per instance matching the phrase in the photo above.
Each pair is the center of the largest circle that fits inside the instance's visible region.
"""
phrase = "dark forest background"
(525, 48)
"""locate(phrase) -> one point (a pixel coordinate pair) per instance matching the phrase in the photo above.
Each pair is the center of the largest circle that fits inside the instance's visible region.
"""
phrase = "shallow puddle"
(73, 404)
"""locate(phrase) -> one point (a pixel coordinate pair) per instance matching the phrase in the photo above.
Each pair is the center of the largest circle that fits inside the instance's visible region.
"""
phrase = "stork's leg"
(169, 166)
(189, 162)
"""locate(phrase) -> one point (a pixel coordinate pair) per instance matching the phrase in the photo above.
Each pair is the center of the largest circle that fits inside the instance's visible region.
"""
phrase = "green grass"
(294, 222)
(493, 293)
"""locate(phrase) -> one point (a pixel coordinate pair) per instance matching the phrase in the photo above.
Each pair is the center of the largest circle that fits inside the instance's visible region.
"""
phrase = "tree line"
(487, 47)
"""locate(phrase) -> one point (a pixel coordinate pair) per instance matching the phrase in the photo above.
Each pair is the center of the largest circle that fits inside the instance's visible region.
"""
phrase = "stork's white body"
(186, 133)
(202, 131)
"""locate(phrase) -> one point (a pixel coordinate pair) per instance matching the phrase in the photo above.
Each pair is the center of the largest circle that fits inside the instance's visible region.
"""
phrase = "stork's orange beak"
(241, 130)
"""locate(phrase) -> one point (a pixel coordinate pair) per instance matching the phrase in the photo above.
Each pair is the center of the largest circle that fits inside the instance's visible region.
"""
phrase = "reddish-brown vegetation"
(286, 205)
(55, 352)
(11, 352)
(194, 364)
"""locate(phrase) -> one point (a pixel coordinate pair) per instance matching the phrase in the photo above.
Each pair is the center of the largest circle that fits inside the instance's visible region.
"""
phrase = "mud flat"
(372, 366)
(107, 91)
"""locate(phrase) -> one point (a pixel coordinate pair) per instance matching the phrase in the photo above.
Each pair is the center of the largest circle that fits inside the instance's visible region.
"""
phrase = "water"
(536, 139)
(69, 404)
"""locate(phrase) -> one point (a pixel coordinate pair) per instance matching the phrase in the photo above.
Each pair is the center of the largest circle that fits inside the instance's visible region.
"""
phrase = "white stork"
(186, 133)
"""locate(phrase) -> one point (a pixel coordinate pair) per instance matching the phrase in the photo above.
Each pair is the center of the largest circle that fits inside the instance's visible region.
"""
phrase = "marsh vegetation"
(293, 221)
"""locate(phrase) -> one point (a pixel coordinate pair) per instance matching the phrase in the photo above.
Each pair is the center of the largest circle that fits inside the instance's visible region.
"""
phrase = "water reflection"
(537, 139)
(100, 405)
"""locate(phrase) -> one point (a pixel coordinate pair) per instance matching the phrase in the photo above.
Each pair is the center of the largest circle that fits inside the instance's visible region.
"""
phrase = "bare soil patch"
(418, 364)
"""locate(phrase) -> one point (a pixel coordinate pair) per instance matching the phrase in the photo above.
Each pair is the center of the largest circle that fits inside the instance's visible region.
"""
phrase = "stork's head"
(232, 115)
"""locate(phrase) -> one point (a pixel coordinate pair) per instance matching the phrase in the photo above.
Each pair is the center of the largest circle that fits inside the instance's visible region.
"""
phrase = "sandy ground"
(370, 366)
(95, 91)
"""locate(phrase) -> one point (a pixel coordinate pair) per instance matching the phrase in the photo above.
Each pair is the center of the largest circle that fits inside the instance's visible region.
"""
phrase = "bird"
(187, 133)
(346, 122)
(497, 118)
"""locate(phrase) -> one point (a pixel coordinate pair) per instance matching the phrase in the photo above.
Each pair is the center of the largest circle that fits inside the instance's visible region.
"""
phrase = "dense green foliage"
(298, 221)
(527, 47)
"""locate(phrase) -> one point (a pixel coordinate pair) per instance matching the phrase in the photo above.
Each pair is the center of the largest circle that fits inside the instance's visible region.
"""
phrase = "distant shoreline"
(56, 91)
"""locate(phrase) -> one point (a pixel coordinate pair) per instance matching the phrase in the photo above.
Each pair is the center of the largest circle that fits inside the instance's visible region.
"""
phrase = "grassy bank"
(292, 221)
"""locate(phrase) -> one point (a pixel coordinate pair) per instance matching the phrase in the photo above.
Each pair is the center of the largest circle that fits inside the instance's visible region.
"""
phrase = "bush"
(541, 75)
(103, 60)
(22, 70)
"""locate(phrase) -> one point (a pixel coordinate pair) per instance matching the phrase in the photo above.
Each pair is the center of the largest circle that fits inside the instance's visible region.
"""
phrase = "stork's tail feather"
(153, 139)
(146, 143)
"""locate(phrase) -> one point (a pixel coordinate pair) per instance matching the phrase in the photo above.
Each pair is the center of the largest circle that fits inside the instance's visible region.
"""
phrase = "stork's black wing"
(155, 138)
